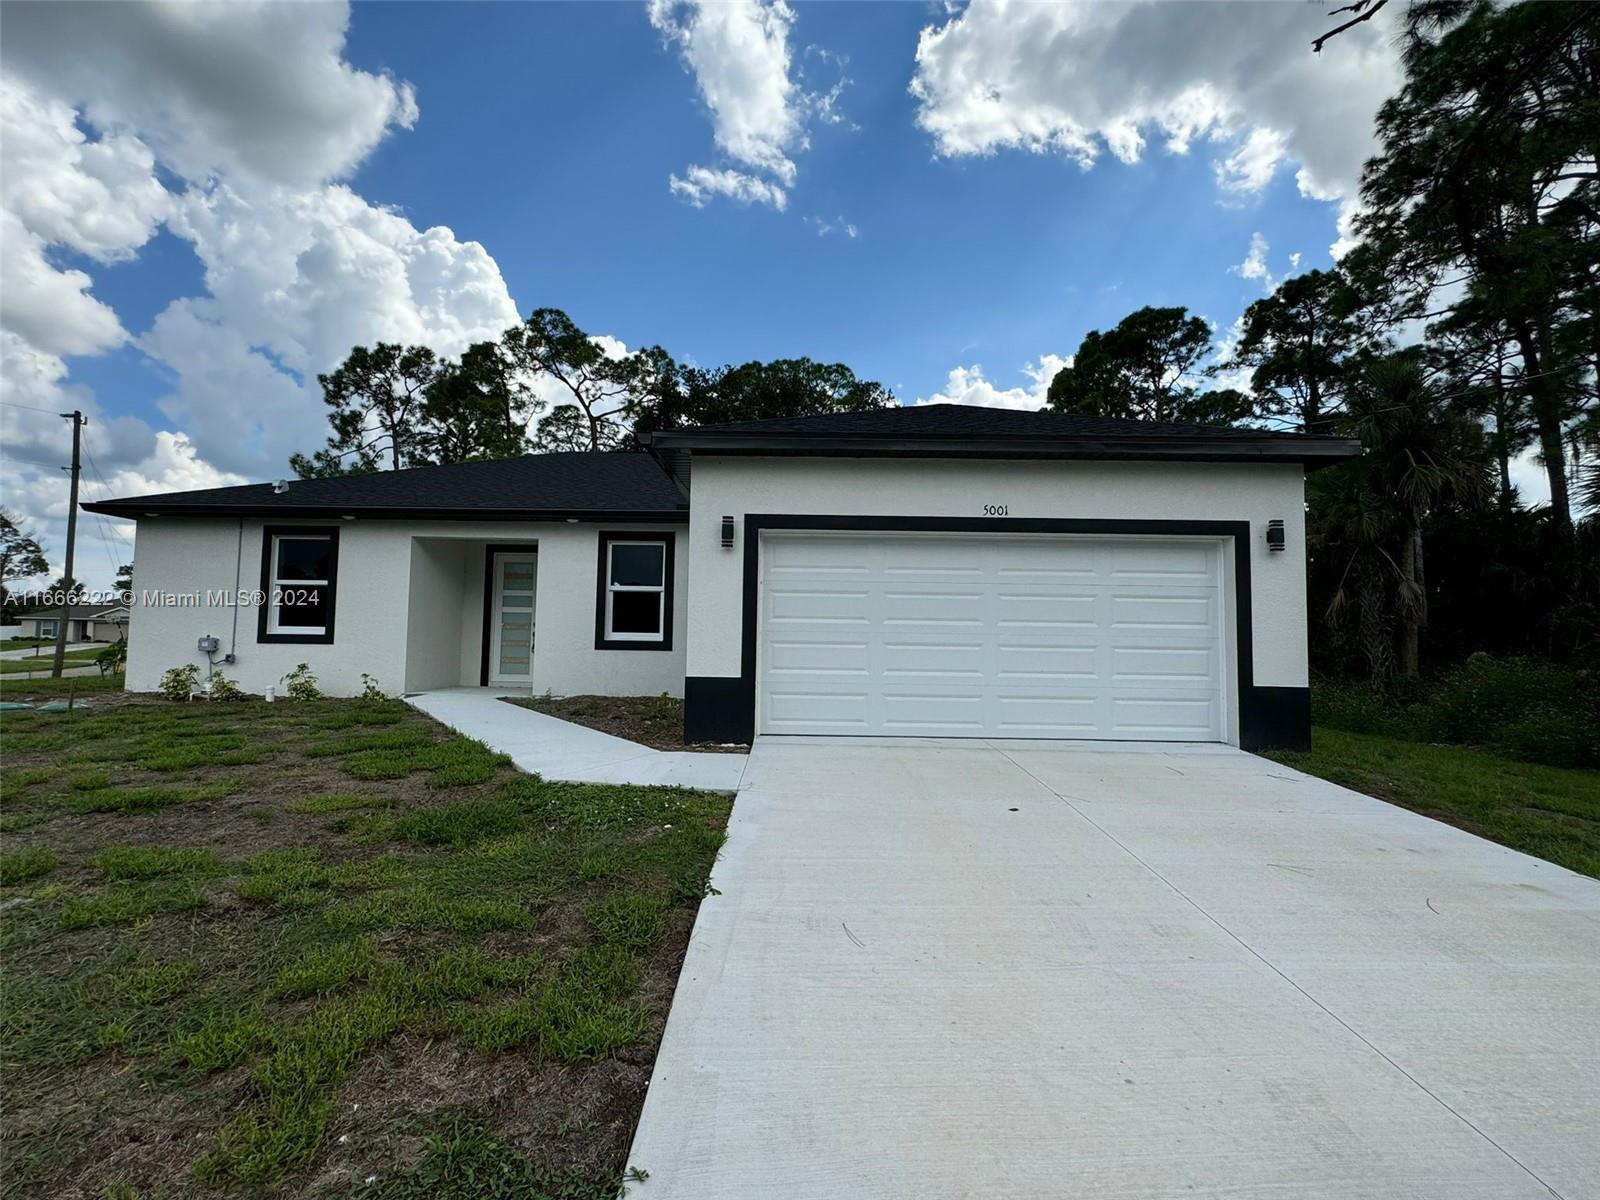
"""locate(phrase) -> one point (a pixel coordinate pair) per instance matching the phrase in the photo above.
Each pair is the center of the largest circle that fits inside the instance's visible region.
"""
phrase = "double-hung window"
(633, 608)
(47, 629)
(299, 569)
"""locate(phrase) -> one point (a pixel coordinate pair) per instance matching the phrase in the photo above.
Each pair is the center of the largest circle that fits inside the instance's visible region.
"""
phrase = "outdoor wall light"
(727, 533)
(1275, 535)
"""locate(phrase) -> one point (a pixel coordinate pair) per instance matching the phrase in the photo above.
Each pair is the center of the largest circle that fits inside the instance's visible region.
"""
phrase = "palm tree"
(1419, 453)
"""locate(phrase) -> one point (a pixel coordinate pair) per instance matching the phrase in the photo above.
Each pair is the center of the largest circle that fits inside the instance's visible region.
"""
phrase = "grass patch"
(126, 904)
(1550, 812)
(324, 969)
(634, 921)
(463, 1159)
(223, 1042)
(155, 983)
(19, 866)
(154, 862)
(460, 824)
(219, 980)
(331, 802)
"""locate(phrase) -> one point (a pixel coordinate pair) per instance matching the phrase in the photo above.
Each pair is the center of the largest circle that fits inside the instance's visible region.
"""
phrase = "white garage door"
(1024, 637)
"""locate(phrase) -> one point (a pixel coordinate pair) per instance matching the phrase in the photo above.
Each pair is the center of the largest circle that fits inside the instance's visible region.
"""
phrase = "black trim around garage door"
(718, 709)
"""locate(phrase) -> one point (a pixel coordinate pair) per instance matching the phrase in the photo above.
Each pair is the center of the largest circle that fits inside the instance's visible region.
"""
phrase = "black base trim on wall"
(1275, 718)
(724, 709)
(714, 710)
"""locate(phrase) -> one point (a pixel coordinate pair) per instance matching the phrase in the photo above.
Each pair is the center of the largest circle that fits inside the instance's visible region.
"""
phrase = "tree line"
(396, 406)
(1462, 331)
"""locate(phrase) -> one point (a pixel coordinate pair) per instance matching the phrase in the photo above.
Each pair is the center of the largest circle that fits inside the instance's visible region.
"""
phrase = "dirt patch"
(654, 721)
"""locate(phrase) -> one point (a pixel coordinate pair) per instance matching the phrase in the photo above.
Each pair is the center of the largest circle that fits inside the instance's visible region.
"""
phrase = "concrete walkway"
(556, 749)
(969, 970)
(47, 651)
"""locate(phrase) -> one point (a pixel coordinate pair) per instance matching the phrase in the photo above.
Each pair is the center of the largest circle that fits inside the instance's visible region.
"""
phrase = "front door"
(514, 582)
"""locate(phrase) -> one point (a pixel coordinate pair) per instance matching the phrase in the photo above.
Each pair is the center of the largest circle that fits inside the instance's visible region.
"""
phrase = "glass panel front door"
(511, 618)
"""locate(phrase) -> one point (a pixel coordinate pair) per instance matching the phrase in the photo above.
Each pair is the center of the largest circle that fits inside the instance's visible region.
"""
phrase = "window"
(298, 570)
(633, 608)
(47, 629)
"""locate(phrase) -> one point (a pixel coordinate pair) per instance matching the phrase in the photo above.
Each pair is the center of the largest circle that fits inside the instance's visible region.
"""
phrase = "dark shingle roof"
(971, 431)
(969, 420)
(600, 484)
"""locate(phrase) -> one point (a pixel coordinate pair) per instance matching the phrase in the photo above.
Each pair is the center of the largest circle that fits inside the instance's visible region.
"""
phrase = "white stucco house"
(86, 623)
(940, 571)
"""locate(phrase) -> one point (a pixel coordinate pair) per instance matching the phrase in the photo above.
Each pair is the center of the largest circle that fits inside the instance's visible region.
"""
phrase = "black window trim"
(669, 542)
(269, 535)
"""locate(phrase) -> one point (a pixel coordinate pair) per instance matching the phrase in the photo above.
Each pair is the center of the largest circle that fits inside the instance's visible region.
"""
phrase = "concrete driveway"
(996, 970)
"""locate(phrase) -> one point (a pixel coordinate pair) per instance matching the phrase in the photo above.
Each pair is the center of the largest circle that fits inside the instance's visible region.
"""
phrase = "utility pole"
(67, 579)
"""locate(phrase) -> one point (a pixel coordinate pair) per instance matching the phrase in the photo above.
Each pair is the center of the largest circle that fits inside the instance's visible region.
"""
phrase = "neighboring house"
(919, 571)
(88, 623)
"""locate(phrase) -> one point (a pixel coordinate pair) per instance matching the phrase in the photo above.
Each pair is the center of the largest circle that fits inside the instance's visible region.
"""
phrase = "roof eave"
(1309, 451)
(333, 512)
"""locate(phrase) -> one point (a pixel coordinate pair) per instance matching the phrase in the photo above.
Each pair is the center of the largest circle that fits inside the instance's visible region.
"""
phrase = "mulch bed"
(654, 721)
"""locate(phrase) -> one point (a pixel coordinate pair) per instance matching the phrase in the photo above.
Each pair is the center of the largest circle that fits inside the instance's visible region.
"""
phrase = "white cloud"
(838, 225)
(250, 115)
(258, 89)
(969, 385)
(698, 186)
(1080, 78)
(1254, 265)
(739, 54)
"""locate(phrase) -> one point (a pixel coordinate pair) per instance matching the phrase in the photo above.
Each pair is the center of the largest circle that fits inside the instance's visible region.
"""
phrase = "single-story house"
(88, 623)
(940, 571)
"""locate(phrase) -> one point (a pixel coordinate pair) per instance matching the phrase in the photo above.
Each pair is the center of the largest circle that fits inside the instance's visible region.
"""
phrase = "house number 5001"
(996, 510)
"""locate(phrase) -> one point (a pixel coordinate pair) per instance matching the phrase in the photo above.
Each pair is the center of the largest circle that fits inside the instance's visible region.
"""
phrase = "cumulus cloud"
(969, 385)
(1254, 265)
(1081, 78)
(231, 126)
(258, 89)
(698, 186)
(744, 70)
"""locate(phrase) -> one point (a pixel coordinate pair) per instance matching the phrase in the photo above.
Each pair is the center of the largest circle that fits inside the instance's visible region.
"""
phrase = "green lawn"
(1546, 811)
(39, 664)
(326, 949)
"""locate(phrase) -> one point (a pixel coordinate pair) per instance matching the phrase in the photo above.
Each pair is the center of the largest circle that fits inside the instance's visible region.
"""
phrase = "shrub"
(223, 688)
(1475, 700)
(370, 689)
(1552, 736)
(301, 684)
(112, 659)
(180, 682)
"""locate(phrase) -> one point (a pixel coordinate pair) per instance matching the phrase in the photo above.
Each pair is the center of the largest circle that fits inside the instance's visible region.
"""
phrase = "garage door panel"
(1021, 637)
(817, 656)
(820, 710)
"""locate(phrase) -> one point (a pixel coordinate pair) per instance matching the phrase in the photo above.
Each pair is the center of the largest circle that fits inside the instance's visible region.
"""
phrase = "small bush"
(370, 689)
(180, 683)
(301, 684)
(223, 688)
(113, 659)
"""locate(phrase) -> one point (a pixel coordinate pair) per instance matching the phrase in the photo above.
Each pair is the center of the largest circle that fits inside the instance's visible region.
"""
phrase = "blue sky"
(211, 205)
